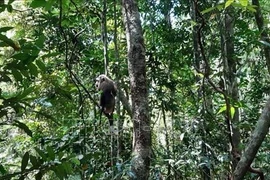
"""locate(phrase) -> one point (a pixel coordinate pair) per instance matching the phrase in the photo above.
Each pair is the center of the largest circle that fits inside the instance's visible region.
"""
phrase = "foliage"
(51, 51)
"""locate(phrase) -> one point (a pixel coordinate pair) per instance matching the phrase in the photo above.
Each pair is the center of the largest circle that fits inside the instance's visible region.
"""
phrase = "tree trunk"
(204, 94)
(231, 86)
(105, 36)
(139, 95)
(264, 35)
(261, 130)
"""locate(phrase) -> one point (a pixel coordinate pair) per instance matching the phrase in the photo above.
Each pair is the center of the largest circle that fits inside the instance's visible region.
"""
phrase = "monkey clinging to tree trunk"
(107, 97)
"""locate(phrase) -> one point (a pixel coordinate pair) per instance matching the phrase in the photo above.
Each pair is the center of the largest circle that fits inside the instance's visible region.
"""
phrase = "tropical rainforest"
(192, 78)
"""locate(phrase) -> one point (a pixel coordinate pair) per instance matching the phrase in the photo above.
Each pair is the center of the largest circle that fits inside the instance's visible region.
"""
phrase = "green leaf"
(49, 5)
(41, 153)
(67, 167)
(25, 160)
(9, 42)
(5, 29)
(75, 161)
(222, 109)
(21, 56)
(228, 3)
(232, 111)
(50, 152)
(59, 171)
(17, 75)
(41, 65)
(2, 169)
(252, 8)
(40, 41)
(34, 161)
(33, 69)
(237, 5)
(23, 127)
(208, 10)
(244, 2)
(38, 3)
(220, 6)
(9, 8)
(25, 73)
(26, 92)
(51, 55)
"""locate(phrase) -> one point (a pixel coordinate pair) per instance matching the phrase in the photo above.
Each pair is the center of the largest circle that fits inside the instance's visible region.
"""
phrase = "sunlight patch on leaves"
(228, 3)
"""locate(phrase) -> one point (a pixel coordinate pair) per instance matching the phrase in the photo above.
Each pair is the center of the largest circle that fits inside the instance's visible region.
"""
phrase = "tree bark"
(204, 95)
(264, 35)
(261, 130)
(232, 94)
(105, 36)
(139, 95)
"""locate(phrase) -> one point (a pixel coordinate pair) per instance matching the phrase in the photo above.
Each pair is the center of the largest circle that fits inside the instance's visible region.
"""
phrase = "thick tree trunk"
(139, 94)
(261, 130)
(263, 124)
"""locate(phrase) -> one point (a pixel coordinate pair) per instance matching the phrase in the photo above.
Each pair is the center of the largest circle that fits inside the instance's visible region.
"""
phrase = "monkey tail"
(110, 118)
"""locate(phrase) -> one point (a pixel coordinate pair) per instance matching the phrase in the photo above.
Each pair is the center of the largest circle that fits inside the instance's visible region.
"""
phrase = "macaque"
(107, 96)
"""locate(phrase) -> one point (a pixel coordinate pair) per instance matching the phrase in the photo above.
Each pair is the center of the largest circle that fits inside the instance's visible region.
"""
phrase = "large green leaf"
(40, 41)
(9, 8)
(51, 153)
(21, 56)
(222, 109)
(38, 3)
(26, 92)
(41, 153)
(232, 111)
(25, 161)
(17, 75)
(252, 8)
(34, 161)
(23, 127)
(33, 69)
(9, 42)
(25, 73)
(5, 29)
(228, 3)
(40, 65)
(49, 5)
(60, 171)
(244, 2)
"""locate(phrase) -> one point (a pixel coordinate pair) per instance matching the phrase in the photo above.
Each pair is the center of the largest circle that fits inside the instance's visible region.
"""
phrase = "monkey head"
(99, 80)
(103, 83)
